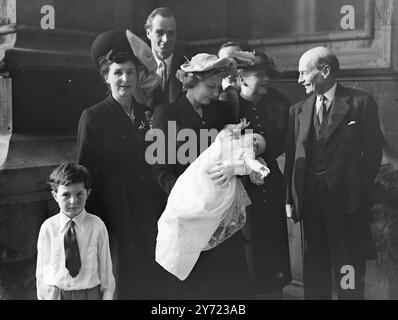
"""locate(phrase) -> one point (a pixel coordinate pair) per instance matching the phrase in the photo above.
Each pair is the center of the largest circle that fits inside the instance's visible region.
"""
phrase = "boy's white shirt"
(93, 241)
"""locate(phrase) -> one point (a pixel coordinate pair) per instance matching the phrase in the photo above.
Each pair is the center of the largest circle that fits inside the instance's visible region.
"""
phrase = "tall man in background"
(333, 154)
(161, 30)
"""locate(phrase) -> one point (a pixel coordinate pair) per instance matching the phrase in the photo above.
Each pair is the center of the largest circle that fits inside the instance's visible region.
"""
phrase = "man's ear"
(88, 192)
(148, 33)
(106, 78)
(326, 71)
(54, 195)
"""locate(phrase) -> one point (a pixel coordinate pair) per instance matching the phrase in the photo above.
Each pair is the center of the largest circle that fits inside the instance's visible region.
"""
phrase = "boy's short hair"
(69, 173)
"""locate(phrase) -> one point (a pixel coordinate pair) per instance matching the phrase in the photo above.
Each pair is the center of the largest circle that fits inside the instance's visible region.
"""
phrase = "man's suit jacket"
(162, 99)
(353, 151)
(174, 86)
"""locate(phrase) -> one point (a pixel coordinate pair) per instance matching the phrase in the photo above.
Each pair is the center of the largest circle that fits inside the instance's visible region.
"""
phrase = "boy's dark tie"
(72, 254)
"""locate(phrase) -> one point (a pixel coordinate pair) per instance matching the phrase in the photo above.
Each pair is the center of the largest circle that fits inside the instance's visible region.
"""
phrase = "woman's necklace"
(126, 105)
(129, 114)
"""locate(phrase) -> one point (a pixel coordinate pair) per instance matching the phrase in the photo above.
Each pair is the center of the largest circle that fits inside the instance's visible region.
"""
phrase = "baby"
(200, 214)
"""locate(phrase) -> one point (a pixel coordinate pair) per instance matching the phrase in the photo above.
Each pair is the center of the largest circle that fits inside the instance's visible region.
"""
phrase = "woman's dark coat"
(222, 272)
(112, 147)
(269, 245)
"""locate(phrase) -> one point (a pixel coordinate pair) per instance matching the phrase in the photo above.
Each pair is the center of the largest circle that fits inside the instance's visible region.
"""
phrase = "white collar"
(168, 60)
(79, 220)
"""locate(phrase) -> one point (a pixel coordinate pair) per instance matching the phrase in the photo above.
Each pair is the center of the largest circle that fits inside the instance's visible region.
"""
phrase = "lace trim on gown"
(234, 219)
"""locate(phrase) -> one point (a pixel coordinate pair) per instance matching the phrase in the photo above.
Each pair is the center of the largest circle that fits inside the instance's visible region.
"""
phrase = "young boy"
(73, 256)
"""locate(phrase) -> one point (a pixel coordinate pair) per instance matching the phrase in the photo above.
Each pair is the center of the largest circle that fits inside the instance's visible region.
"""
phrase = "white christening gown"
(200, 214)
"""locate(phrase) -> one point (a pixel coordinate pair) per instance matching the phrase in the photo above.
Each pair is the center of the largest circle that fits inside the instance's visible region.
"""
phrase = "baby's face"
(258, 144)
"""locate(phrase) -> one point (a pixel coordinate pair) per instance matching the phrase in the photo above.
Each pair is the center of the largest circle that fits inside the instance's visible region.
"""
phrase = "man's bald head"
(319, 57)
(318, 68)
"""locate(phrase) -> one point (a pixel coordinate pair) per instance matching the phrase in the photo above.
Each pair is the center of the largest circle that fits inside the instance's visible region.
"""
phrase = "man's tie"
(72, 254)
(322, 110)
(163, 74)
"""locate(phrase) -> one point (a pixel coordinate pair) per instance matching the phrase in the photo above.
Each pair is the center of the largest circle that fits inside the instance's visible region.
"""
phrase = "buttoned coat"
(112, 147)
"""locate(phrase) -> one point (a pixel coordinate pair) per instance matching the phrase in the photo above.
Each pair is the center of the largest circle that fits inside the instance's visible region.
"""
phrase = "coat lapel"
(191, 118)
(174, 85)
(171, 83)
(305, 119)
(339, 109)
(118, 115)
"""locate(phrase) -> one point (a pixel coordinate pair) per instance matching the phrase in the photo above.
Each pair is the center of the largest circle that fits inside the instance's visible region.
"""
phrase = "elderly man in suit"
(334, 150)
(161, 30)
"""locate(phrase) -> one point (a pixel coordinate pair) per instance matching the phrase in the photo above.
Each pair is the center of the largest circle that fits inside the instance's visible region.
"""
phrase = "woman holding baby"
(222, 272)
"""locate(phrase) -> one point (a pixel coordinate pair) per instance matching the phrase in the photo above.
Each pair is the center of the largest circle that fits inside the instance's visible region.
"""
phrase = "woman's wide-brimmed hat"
(204, 62)
(122, 42)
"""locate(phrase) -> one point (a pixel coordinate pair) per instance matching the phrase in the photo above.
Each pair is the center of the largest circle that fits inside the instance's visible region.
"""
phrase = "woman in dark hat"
(266, 109)
(111, 145)
(222, 272)
(230, 90)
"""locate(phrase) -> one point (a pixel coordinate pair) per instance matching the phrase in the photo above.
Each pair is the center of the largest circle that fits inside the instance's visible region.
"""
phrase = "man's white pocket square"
(352, 122)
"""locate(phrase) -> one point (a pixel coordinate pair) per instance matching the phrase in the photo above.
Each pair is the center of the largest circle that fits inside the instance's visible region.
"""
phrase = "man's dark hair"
(69, 173)
(163, 12)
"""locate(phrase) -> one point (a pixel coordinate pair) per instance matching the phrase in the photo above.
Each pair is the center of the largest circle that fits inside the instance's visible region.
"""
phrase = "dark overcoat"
(269, 246)
(112, 147)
